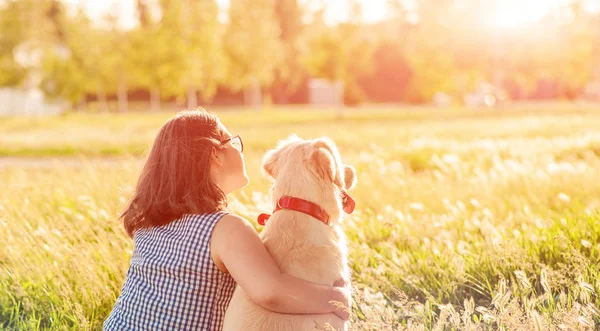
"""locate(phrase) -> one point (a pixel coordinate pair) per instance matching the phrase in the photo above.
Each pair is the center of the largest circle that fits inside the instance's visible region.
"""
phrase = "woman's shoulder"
(233, 222)
(234, 219)
(230, 229)
(211, 216)
(224, 217)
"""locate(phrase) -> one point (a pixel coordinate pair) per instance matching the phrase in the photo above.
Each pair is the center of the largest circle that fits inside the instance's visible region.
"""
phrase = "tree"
(205, 63)
(430, 51)
(158, 50)
(143, 12)
(289, 73)
(341, 53)
(98, 61)
(391, 74)
(14, 31)
(252, 46)
(67, 65)
(120, 62)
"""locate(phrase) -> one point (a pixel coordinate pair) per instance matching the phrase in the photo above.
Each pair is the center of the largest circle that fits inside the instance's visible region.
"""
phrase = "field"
(466, 219)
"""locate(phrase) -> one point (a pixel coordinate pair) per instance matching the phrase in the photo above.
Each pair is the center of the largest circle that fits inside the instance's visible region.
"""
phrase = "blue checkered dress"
(172, 282)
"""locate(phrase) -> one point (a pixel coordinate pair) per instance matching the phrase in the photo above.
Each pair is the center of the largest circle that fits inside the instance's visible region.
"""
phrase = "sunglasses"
(236, 142)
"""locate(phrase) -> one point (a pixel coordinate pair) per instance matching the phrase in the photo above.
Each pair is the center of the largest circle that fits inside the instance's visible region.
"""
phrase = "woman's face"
(229, 169)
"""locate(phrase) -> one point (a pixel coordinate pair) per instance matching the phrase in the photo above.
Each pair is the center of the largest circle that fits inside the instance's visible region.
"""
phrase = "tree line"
(186, 50)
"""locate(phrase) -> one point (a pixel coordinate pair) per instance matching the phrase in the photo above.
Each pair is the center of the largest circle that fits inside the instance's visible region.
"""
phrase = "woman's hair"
(176, 178)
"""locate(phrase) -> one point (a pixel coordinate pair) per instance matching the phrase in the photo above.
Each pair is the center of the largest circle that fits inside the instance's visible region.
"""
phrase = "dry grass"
(465, 221)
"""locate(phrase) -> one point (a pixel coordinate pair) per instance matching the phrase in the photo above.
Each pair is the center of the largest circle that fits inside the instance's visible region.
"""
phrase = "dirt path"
(60, 162)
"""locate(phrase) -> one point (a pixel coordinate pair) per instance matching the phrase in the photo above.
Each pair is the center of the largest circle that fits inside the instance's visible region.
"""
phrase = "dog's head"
(312, 170)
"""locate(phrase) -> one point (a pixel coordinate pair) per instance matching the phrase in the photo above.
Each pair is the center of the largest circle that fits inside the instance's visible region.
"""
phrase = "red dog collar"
(307, 207)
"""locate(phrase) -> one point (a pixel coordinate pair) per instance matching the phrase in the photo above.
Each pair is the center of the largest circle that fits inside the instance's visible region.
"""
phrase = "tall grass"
(465, 221)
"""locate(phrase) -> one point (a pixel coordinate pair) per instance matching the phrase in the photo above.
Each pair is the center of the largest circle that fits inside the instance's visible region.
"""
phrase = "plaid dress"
(172, 282)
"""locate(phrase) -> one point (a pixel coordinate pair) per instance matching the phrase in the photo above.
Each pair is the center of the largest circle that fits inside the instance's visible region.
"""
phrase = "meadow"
(465, 220)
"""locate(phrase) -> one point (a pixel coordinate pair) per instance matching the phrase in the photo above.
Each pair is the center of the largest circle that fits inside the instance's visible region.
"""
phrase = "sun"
(515, 13)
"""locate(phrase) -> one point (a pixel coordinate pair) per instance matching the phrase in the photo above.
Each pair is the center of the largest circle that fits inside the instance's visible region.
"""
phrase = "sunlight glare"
(515, 13)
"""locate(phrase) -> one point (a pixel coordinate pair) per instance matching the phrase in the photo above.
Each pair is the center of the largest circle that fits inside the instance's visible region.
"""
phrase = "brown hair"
(176, 178)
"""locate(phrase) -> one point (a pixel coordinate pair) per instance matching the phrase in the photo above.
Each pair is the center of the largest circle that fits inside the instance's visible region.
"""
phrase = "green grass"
(466, 220)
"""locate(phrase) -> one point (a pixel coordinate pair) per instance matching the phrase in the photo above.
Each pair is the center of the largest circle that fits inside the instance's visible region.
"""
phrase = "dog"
(309, 179)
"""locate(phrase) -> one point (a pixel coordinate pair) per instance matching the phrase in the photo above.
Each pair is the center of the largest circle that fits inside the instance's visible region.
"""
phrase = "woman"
(189, 251)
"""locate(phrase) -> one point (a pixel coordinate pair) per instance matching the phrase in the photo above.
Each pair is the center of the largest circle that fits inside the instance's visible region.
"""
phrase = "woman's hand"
(344, 306)
(346, 291)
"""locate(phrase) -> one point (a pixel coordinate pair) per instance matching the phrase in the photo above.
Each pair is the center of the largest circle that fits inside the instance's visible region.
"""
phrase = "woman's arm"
(238, 247)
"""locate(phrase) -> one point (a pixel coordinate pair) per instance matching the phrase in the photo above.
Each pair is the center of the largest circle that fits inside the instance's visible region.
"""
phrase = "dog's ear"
(326, 159)
(323, 163)
(349, 177)
(269, 162)
(329, 145)
(271, 158)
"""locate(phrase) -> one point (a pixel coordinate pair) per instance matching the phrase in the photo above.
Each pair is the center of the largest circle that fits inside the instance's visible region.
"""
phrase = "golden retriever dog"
(306, 171)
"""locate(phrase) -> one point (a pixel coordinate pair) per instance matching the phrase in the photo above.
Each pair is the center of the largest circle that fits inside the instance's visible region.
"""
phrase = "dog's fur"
(301, 245)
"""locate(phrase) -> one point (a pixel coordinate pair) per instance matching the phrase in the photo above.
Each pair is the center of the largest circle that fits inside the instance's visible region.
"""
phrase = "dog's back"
(304, 248)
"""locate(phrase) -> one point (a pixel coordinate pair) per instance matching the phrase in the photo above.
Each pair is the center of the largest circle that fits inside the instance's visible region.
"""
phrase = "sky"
(507, 13)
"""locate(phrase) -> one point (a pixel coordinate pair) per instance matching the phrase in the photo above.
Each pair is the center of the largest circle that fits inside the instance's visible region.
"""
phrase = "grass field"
(466, 220)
